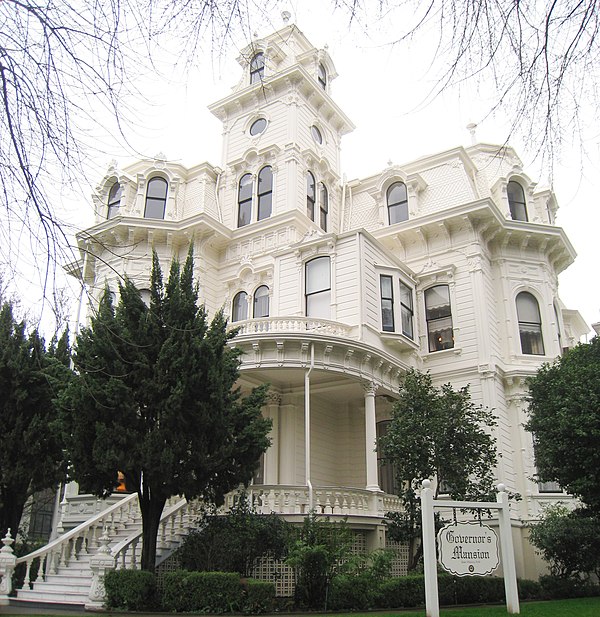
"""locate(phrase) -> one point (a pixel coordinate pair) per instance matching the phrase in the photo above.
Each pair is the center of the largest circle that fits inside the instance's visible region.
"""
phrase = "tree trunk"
(151, 512)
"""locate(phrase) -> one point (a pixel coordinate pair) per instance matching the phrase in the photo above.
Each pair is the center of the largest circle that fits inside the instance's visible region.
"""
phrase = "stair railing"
(80, 540)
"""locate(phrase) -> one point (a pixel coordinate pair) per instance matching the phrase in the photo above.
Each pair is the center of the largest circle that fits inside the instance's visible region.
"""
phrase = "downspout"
(307, 427)
(359, 252)
(343, 206)
(217, 186)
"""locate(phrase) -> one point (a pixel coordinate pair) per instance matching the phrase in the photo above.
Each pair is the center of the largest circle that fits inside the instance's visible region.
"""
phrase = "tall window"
(387, 303)
(323, 206)
(397, 203)
(318, 288)
(516, 201)
(156, 199)
(311, 196)
(114, 200)
(439, 318)
(322, 77)
(257, 68)
(265, 192)
(245, 200)
(261, 302)
(406, 310)
(385, 468)
(530, 324)
(240, 307)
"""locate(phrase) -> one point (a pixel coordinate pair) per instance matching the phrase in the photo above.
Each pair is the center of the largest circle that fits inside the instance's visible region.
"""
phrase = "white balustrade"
(292, 325)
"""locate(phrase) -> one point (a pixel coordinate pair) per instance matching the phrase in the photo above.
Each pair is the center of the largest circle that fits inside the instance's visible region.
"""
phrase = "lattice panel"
(400, 561)
(277, 572)
(170, 564)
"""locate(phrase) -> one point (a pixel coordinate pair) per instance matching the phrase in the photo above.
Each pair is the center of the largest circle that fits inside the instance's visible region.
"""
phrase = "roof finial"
(471, 127)
(285, 15)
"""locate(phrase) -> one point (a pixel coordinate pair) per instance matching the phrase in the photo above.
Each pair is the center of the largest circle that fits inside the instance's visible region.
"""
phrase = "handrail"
(124, 544)
(76, 531)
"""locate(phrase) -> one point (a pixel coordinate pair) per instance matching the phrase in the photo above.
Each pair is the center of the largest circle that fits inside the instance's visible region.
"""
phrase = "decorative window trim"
(415, 184)
(253, 121)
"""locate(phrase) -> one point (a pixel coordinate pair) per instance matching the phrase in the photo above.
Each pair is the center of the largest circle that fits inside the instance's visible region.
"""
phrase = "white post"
(8, 562)
(508, 553)
(371, 437)
(432, 605)
(100, 563)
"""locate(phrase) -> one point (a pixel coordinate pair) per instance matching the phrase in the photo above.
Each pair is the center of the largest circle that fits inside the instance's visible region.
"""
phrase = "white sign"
(468, 549)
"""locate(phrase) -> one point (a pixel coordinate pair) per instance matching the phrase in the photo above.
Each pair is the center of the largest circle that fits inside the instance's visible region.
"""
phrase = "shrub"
(470, 589)
(131, 590)
(259, 597)
(558, 587)
(405, 591)
(202, 592)
(352, 592)
(233, 542)
(529, 590)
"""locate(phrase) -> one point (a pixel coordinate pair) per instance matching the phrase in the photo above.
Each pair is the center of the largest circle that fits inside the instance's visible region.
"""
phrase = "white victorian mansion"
(448, 264)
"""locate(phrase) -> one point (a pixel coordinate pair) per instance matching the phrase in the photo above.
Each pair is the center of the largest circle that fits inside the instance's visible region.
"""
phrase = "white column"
(287, 444)
(371, 437)
(272, 454)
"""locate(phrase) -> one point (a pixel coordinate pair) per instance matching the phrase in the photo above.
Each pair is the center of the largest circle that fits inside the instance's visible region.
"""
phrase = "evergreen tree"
(31, 376)
(154, 398)
(436, 433)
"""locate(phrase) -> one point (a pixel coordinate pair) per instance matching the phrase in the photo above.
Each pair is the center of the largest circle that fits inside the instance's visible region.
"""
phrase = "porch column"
(370, 437)
(272, 454)
(287, 444)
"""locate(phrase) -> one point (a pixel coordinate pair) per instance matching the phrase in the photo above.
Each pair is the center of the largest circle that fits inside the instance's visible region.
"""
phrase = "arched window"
(311, 196)
(265, 192)
(240, 307)
(261, 302)
(516, 201)
(397, 203)
(530, 324)
(322, 77)
(438, 315)
(114, 200)
(156, 199)
(245, 200)
(257, 68)
(323, 206)
(318, 287)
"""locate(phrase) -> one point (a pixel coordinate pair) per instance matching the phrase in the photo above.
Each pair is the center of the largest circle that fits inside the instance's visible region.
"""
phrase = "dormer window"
(322, 77)
(516, 201)
(156, 199)
(397, 203)
(114, 200)
(257, 68)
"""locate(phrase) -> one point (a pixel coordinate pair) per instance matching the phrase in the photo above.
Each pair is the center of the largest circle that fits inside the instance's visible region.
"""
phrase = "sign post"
(467, 548)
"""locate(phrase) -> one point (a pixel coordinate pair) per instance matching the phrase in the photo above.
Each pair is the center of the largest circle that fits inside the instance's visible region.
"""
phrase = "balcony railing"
(266, 325)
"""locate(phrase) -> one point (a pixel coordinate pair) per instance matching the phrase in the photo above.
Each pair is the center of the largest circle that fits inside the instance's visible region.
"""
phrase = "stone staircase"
(68, 570)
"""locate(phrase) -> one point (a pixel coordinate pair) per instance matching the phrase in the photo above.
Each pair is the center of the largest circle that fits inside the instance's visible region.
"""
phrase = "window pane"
(156, 199)
(528, 308)
(516, 201)
(157, 187)
(398, 213)
(319, 305)
(437, 298)
(261, 302)
(265, 194)
(323, 206)
(155, 208)
(406, 295)
(318, 275)
(265, 206)
(396, 194)
(316, 133)
(310, 196)
(387, 315)
(240, 307)
(258, 126)
(407, 322)
(440, 334)
(245, 191)
(386, 287)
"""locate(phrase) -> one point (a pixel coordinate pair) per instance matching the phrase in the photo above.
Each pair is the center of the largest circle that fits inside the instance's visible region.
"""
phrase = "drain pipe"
(307, 427)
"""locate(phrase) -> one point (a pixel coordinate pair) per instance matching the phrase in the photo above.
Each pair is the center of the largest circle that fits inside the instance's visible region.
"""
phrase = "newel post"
(100, 563)
(508, 553)
(8, 561)
(432, 605)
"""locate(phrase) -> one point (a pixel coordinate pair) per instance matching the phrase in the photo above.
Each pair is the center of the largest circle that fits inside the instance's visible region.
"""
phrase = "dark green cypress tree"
(155, 398)
(31, 455)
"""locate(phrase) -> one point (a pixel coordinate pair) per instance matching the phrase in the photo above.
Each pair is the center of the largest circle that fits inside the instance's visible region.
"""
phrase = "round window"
(316, 134)
(258, 126)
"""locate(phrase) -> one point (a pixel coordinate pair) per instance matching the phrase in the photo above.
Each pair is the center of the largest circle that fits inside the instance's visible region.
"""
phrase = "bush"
(470, 589)
(131, 590)
(558, 587)
(352, 592)
(202, 592)
(405, 591)
(259, 597)
(529, 590)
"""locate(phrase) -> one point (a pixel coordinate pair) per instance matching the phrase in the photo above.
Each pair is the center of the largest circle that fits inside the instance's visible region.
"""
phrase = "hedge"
(259, 597)
(202, 592)
(131, 590)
